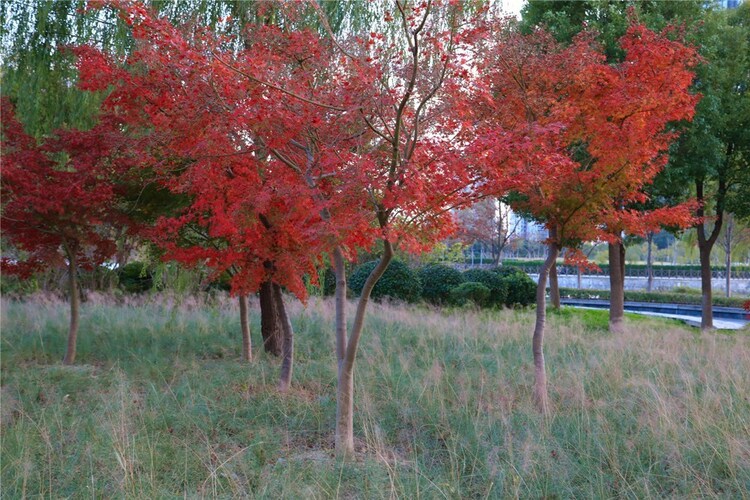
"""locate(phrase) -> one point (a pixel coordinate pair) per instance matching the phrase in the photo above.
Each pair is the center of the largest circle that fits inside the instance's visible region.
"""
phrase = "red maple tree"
(59, 202)
(576, 140)
(265, 142)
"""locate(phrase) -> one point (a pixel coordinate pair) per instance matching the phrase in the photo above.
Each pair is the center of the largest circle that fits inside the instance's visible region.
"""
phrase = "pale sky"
(513, 6)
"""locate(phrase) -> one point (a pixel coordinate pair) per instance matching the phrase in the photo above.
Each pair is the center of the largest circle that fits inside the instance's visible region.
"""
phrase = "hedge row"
(659, 269)
(443, 285)
(657, 297)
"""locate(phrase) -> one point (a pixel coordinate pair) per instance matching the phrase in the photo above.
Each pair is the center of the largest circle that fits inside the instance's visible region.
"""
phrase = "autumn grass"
(160, 405)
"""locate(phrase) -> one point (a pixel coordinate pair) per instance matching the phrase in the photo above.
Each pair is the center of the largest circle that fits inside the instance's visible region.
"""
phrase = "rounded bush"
(504, 271)
(398, 282)
(521, 288)
(135, 277)
(498, 288)
(437, 282)
(471, 291)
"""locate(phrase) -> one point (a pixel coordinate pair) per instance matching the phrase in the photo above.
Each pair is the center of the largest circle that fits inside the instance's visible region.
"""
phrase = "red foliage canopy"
(290, 145)
(58, 197)
(577, 139)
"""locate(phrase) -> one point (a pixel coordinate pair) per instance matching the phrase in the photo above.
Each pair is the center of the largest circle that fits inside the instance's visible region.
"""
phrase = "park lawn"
(160, 405)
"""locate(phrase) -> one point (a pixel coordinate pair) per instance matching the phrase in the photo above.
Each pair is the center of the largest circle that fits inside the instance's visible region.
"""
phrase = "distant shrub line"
(438, 284)
(444, 285)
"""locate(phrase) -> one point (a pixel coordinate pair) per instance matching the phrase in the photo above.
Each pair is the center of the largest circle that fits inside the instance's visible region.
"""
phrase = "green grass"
(159, 405)
(679, 295)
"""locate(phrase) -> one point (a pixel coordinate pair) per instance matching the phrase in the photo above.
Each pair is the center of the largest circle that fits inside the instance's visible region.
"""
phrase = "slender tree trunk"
(502, 233)
(70, 352)
(270, 323)
(345, 389)
(727, 243)
(649, 263)
(339, 271)
(616, 287)
(729, 272)
(345, 412)
(554, 287)
(540, 372)
(247, 350)
(287, 361)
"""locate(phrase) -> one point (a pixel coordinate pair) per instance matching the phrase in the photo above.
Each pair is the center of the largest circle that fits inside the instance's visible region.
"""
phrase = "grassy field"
(159, 405)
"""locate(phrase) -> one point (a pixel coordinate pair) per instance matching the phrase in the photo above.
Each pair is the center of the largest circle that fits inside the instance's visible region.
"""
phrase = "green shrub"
(437, 282)
(686, 290)
(521, 288)
(12, 285)
(329, 282)
(135, 277)
(398, 281)
(471, 291)
(505, 270)
(498, 288)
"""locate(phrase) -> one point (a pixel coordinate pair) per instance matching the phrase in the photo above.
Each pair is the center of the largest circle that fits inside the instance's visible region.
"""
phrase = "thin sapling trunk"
(554, 287)
(345, 389)
(70, 352)
(727, 243)
(540, 372)
(247, 351)
(616, 287)
(287, 360)
(649, 263)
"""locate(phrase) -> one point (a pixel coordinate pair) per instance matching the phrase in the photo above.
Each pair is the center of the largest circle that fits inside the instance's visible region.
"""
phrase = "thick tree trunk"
(287, 361)
(540, 372)
(270, 323)
(649, 263)
(70, 352)
(707, 311)
(705, 245)
(247, 350)
(554, 287)
(616, 287)
(345, 389)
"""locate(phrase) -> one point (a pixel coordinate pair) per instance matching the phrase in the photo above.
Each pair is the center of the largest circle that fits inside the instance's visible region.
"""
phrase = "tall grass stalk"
(161, 405)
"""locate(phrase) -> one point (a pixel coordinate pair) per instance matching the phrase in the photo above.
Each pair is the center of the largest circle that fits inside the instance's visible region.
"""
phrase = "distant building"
(526, 229)
(727, 4)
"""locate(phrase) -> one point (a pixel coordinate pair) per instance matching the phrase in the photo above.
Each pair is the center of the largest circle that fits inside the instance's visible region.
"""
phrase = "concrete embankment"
(600, 282)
